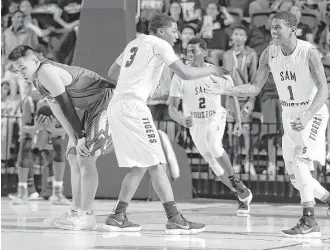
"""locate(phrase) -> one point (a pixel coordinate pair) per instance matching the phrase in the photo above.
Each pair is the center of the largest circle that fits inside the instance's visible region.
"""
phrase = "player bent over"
(206, 119)
(302, 87)
(79, 99)
(134, 134)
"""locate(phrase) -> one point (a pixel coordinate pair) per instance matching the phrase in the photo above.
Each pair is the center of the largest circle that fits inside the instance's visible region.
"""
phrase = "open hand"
(300, 122)
(188, 122)
(82, 148)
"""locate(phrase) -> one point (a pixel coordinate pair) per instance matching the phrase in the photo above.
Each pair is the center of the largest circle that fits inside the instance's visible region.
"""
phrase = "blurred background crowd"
(236, 33)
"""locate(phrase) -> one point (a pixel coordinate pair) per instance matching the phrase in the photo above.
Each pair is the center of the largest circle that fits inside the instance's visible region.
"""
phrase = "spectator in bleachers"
(176, 13)
(191, 9)
(9, 108)
(242, 61)
(213, 31)
(260, 37)
(303, 31)
(148, 9)
(322, 37)
(180, 46)
(258, 5)
(17, 34)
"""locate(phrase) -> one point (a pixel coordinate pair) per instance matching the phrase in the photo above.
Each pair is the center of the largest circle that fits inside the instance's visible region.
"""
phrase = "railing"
(265, 141)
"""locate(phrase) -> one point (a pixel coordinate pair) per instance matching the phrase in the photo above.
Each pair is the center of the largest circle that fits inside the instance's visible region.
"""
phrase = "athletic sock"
(170, 209)
(121, 207)
(308, 211)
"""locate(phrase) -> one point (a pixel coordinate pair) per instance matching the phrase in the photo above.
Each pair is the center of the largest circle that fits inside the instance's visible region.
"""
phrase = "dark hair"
(187, 26)
(181, 12)
(288, 17)
(19, 52)
(239, 27)
(198, 41)
(18, 11)
(158, 21)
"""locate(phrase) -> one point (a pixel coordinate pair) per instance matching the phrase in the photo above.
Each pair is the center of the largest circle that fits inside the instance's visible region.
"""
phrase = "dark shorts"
(96, 124)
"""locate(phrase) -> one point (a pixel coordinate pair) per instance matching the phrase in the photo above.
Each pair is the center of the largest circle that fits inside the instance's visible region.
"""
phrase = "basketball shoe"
(243, 208)
(180, 225)
(307, 227)
(77, 221)
(22, 196)
(58, 198)
(120, 223)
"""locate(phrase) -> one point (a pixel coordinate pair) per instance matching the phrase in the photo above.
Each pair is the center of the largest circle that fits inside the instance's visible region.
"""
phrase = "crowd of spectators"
(236, 33)
(48, 26)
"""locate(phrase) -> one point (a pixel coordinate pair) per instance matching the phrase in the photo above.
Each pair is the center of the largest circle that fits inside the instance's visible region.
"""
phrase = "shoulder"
(250, 50)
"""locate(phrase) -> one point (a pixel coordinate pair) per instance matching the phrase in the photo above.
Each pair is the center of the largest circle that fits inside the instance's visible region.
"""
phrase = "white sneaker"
(50, 222)
(82, 221)
(34, 196)
(22, 196)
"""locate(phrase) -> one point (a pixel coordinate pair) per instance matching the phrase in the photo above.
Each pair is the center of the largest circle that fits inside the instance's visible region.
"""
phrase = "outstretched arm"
(317, 71)
(257, 82)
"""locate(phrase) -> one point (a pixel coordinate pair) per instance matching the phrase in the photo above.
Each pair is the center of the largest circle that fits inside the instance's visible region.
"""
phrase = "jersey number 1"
(291, 93)
(131, 59)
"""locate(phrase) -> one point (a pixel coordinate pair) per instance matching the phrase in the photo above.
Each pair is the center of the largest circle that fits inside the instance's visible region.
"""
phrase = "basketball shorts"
(135, 137)
(96, 124)
(309, 143)
(208, 138)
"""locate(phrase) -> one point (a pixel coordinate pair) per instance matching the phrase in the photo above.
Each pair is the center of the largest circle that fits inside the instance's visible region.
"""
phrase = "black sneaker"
(179, 225)
(120, 223)
(307, 227)
(243, 208)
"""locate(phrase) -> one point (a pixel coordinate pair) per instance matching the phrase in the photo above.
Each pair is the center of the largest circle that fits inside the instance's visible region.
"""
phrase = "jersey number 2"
(202, 103)
(291, 93)
(131, 59)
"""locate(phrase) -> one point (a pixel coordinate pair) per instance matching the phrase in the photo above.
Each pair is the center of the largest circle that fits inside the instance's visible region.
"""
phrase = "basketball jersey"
(86, 89)
(294, 82)
(142, 64)
(201, 106)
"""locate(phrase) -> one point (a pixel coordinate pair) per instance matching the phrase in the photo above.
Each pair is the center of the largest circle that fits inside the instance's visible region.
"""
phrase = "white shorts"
(208, 138)
(309, 143)
(135, 137)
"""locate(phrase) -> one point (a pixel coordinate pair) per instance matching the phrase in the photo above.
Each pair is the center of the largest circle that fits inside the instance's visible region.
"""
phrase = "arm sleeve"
(176, 87)
(70, 114)
(165, 51)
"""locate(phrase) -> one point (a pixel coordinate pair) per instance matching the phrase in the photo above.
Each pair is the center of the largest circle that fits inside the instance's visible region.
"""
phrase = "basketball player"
(302, 87)
(52, 131)
(79, 99)
(206, 119)
(134, 134)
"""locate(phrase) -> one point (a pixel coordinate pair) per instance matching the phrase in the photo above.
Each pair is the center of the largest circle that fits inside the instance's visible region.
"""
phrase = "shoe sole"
(247, 199)
(184, 231)
(243, 212)
(309, 235)
(67, 227)
(118, 229)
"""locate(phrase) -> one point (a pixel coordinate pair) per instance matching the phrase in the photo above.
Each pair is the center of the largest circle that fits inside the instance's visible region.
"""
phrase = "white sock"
(58, 183)
(22, 184)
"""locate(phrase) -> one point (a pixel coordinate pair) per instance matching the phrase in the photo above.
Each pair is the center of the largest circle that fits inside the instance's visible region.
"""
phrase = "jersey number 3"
(131, 59)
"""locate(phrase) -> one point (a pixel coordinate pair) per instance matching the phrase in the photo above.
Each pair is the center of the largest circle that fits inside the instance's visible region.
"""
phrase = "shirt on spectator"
(257, 6)
(302, 30)
(12, 38)
(243, 65)
(188, 7)
(150, 7)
